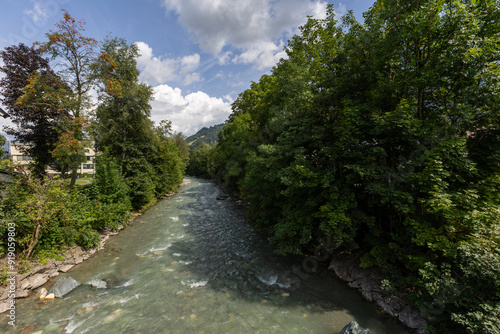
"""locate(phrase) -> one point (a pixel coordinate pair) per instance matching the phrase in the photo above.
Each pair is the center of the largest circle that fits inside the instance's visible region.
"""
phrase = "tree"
(384, 137)
(36, 206)
(166, 159)
(180, 141)
(123, 124)
(76, 54)
(2, 143)
(37, 124)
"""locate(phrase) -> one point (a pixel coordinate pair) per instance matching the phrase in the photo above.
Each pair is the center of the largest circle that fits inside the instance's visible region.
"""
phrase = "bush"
(88, 238)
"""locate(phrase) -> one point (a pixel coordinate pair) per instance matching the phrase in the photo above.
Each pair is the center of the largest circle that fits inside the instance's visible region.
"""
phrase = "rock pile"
(369, 283)
(354, 328)
(40, 274)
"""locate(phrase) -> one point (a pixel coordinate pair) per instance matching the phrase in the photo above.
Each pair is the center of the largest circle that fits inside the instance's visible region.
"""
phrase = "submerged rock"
(63, 286)
(223, 197)
(97, 283)
(354, 328)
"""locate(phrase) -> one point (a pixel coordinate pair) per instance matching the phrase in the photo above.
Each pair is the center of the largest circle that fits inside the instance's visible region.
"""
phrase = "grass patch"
(85, 180)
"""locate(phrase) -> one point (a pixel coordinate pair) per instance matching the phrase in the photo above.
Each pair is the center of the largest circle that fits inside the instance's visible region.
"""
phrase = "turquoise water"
(191, 265)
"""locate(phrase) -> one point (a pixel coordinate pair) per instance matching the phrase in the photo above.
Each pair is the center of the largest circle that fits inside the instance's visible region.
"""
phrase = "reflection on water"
(191, 265)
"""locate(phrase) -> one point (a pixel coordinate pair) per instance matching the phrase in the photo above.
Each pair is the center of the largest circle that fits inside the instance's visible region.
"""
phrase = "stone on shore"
(66, 267)
(43, 293)
(63, 286)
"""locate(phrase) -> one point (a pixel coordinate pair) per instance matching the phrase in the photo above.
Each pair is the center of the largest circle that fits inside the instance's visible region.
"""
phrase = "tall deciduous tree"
(123, 124)
(75, 54)
(37, 118)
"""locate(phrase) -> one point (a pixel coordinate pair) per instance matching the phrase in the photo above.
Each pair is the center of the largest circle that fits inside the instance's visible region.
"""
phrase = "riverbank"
(193, 264)
(369, 283)
(38, 274)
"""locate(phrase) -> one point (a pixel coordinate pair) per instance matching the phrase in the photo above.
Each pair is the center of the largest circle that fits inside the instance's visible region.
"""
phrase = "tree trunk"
(33, 241)
(74, 172)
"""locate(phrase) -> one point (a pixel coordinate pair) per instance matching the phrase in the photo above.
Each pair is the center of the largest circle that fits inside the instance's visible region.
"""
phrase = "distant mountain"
(205, 135)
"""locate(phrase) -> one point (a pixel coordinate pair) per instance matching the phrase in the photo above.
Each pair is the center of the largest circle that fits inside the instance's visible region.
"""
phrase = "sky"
(198, 55)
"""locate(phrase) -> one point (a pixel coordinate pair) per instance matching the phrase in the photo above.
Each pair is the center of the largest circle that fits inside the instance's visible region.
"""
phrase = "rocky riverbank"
(369, 283)
(39, 273)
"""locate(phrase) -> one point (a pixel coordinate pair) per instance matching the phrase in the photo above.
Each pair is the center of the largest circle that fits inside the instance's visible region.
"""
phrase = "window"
(88, 166)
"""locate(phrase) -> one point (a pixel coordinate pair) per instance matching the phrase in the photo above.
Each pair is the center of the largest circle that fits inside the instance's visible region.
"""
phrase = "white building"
(14, 149)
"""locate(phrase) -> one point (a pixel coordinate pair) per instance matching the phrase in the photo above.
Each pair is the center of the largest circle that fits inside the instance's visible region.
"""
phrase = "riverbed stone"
(411, 318)
(63, 286)
(354, 328)
(53, 273)
(369, 283)
(97, 283)
(4, 306)
(22, 294)
(65, 267)
(43, 293)
(33, 282)
(38, 280)
(367, 295)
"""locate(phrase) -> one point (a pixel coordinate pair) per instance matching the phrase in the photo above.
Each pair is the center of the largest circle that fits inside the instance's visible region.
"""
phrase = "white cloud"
(341, 10)
(215, 24)
(191, 112)
(263, 54)
(155, 70)
(37, 14)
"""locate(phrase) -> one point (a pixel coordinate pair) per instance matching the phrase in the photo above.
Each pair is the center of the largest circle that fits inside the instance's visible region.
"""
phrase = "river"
(190, 264)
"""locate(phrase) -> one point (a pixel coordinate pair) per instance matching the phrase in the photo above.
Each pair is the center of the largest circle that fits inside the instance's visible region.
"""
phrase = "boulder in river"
(97, 283)
(63, 286)
(223, 197)
(354, 328)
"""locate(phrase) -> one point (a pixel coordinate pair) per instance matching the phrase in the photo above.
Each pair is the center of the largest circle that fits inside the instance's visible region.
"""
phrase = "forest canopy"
(383, 137)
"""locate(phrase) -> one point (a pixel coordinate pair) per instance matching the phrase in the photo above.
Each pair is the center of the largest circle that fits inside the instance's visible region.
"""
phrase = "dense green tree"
(123, 123)
(199, 162)
(149, 157)
(37, 119)
(181, 143)
(383, 137)
(166, 159)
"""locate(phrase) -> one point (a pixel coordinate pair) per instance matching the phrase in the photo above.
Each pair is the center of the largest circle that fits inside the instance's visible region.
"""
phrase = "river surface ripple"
(190, 264)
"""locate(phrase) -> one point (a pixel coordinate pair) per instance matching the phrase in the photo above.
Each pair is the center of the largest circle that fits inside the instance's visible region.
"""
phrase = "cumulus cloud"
(341, 10)
(155, 70)
(257, 28)
(37, 14)
(191, 112)
(262, 54)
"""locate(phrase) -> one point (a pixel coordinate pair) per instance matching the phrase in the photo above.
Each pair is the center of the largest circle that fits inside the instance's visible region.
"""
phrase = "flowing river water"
(190, 264)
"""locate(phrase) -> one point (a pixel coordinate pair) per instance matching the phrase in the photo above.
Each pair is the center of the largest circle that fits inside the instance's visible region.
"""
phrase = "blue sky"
(198, 55)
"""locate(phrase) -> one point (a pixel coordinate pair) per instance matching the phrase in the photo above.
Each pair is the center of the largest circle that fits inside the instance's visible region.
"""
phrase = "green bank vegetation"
(137, 162)
(384, 139)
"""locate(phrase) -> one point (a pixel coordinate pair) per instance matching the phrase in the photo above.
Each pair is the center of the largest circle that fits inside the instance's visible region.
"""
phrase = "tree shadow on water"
(226, 255)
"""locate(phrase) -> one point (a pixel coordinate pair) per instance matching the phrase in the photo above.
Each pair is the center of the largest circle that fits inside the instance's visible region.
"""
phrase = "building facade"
(14, 149)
